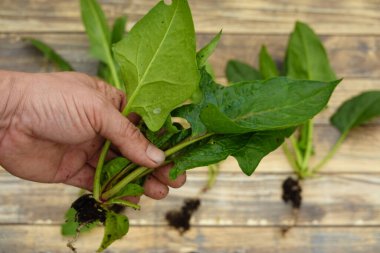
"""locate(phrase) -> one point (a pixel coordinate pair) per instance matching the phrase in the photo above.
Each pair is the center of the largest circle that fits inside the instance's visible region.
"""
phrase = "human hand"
(52, 127)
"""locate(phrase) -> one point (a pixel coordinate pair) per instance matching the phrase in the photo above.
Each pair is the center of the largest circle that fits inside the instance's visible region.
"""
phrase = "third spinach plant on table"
(164, 77)
(306, 59)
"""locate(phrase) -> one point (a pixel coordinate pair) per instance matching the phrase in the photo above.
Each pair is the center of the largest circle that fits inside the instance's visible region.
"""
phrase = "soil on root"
(88, 210)
(180, 219)
(292, 194)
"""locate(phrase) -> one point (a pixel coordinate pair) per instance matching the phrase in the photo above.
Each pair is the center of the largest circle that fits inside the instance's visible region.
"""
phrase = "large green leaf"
(259, 145)
(116, 226)
(51, 55)
(356, 111)
(306, 58)
(237, 71)
(267, 66)
(266, 105)
(160, 71)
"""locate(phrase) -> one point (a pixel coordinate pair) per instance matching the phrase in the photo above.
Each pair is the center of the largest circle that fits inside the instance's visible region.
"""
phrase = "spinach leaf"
(259, 145)
(116, 226)
(356, 111)
(160, 71)
(159, 138)
(237, 71)
(71, 227)
(117, 34)
(99, 36)
(247, 148)
(111, 168)
(130, 189)
(210, 151)
(191, 112)
(306, 58)
(267, 66)
(97, 30)
(266, 105)
(118, 29)
(207, 50)
(51, 55)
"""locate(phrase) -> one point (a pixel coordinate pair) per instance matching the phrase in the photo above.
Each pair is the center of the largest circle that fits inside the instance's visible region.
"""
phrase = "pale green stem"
(115, 76)
(122, 202)
(143, 170)
(213, 172)
(119, 186)
(309, 146)
(293, 141)
(102, 157)
(290, 158)
(98, 172)
(330, 154)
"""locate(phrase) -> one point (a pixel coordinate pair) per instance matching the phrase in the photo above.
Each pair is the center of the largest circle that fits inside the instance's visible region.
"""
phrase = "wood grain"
(235, 200)
(248, 16)
(147, 239)
(352, 57)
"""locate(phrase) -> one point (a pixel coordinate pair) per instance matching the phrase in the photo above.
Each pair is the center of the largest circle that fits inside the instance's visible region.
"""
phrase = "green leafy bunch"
(165, 78)
(306, 59)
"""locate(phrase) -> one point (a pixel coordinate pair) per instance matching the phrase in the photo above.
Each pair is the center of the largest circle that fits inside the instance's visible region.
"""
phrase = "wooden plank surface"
(352, 57)
(236, 200)
(341, 212)
(149, 239)
(259, 16)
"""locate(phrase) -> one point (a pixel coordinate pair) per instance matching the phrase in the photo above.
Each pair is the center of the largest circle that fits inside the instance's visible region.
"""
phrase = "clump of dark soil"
(88, 210)
(291, 192)
(180, 219)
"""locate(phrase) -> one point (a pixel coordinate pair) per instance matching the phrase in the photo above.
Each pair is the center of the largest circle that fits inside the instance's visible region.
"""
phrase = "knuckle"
(128, 130)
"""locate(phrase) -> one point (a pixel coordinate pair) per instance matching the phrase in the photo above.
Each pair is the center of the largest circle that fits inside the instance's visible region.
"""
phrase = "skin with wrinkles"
(52, 127)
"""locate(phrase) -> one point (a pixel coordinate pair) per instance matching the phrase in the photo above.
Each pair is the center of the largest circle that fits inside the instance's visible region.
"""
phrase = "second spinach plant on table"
(306, 59)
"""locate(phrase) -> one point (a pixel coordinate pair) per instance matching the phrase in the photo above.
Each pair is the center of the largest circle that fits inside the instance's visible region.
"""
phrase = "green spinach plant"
(164, 77)
(306, 59)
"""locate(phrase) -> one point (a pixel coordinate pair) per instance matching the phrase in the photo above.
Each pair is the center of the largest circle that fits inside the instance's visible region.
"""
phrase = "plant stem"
(330, 154)
(297, 151)
(119, 175)
(309, 146)
(186, 143)
(290, 158)
(114, 75)
(213, 172)
(143, 170)
(102, 157)
(119, 186)
(123, 203)
(98, 172)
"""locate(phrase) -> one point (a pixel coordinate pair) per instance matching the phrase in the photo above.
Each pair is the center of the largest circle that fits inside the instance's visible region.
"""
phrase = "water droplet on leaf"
(157, 111)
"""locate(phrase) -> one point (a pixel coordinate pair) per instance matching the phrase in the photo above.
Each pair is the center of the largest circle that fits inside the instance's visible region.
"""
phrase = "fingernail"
(155, 154)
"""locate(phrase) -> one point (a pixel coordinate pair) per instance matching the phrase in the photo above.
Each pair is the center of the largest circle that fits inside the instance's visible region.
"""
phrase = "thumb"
(128, 138)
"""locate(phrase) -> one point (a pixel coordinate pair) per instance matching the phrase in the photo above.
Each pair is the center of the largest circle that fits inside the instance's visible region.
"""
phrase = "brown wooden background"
(341, 212)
